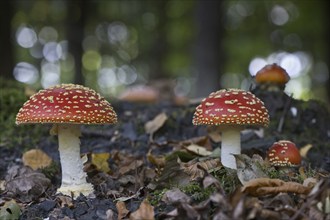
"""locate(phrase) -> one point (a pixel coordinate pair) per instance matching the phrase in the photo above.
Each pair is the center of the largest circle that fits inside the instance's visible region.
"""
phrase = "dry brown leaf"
(2, 185)
(145, 212)
(100, 160)
(304, 150)
(175, 196)
(36, 159)
(266, 186)
(132, 166)
(26, 184)
(199, 150)
(210, 180)
(249, 168)
(214, 133)
(201, 141)
(65, 201)
(156, 123)
(122, 210)
(192, 167)
(158, 161)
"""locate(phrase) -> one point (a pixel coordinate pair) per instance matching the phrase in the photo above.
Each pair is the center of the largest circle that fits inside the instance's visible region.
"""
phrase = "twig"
(285, 111)
(323, 185)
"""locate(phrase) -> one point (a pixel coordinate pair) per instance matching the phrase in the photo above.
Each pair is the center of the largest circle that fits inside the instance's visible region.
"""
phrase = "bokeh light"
(91, 60)
(52, 51)
(47, 34)
(26, 73)
(50, 74)
(279, 15)
(26, 37)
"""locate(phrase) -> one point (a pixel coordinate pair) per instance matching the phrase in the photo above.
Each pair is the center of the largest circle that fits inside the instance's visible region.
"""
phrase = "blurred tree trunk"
(6, 40)
(327, 8)
(75, 33)
(207, 49)
(159, 50)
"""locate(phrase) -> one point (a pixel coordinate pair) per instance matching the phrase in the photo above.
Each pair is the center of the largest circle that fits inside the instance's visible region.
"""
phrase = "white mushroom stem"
(230, 145)
(73, 176)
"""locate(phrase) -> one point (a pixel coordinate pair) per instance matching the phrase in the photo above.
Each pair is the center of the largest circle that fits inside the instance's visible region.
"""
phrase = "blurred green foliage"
(12, 98)
(161, 36)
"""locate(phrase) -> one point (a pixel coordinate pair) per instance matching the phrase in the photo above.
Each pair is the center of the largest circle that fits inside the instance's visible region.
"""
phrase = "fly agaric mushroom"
(272, 77)
(231, 110)
(67, 106)
(284, 154)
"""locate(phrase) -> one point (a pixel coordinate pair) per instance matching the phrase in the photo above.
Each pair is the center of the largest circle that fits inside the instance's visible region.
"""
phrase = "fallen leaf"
(36, 159)
(122, 210)
(202, 141)
(10, 210)
(214, 133)
(25, 183)
(158, 161)
(100, 160)
(249, 168)
(266, 186)
(175, 196)
(110, 214)
(152, 126)
(136, 195)
(199, 150)
(196, 169)
(64, 201)
(2, 185)
(304, 150)
(302, 173)
(135, 164)
(184, 211)
(210, 180)
(145, 212)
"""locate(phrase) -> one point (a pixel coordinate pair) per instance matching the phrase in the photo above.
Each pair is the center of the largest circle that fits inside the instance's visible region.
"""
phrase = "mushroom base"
(73, 176)
(230, 145)
(75, 190)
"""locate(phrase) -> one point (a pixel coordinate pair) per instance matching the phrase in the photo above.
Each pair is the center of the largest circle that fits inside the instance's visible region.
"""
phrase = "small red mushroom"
(284, 153)
(67, 106)
(272, 77)
(231, 110)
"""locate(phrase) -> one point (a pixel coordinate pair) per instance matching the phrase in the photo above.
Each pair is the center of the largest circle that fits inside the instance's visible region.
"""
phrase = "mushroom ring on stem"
(231, 110)
(67, 106)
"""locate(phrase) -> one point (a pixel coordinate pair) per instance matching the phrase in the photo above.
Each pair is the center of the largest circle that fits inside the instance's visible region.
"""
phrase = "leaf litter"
(165, 168)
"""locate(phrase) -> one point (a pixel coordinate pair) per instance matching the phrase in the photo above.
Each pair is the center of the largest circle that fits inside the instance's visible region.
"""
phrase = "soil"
(305, 123)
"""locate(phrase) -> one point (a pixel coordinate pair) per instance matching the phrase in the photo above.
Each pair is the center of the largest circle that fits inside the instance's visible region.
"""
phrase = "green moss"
(197, 192)
(227, 178)
(156, 196)
(12, 97)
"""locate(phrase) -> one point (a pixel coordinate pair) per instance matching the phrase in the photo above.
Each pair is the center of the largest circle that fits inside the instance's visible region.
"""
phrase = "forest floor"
(154, 164)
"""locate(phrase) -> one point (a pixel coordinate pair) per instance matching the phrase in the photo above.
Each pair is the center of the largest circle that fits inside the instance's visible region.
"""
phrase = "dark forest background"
(196, 46)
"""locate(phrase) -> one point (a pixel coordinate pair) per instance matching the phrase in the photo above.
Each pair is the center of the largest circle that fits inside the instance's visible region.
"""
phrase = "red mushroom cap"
(284, 153)
(66, 103)
(231, 107)
(272, 73)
